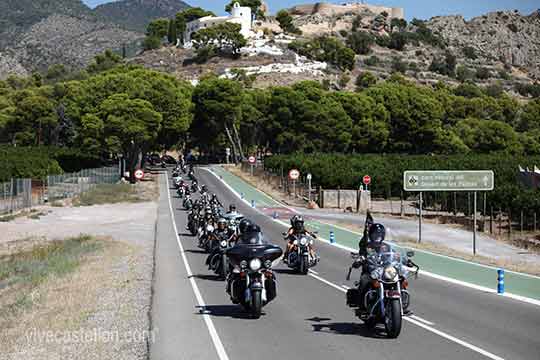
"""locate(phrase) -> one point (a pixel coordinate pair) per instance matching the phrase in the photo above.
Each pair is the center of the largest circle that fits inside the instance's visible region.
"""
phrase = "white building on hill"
(239, 15)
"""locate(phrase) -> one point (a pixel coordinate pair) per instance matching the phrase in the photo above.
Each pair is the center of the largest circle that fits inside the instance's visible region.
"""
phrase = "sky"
(421, 9)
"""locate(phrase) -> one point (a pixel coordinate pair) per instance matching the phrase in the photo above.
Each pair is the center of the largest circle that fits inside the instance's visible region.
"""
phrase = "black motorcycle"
(188, 202)
(193, 221)
(218, 260)
(252, 283)
(300, 258)
(386, 297)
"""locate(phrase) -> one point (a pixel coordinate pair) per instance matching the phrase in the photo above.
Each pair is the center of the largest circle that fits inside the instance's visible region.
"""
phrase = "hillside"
(136, 14)
(37, 34)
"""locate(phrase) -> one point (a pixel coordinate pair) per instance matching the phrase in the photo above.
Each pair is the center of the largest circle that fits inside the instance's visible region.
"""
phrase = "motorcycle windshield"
(384, 259)
(253, 239)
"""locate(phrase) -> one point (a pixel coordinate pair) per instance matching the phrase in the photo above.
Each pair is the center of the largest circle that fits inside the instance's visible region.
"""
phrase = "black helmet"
(377, 232)
(232, 208)
(297, 222)
(243, 225)
(204, 188)
(253, 228)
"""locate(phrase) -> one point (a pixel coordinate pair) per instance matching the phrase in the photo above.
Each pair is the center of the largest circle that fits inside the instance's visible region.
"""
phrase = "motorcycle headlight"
(295, 242)
(268, 264)
(209, 228)
(224, 243)
(243, 264)
(303, 241)
(390, 273)
(255, 264)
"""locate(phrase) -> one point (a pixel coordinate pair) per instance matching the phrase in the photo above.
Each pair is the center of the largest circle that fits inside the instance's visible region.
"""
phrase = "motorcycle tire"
(224, 267)
(392, 321)
(304, 264)
(256, 304)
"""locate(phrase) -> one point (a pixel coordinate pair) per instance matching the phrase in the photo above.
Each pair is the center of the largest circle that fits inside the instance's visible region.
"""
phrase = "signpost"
(294, 175)
(420, 181)
(309, 176)
(252, 160)
(139, 174)
(366, 180)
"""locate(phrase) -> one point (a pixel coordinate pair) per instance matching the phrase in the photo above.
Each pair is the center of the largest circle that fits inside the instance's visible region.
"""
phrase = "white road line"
(427, 327)
(422, 272)
(209, 323)
(422, 320)
(313, 272)
(345, 287)
(456, 340)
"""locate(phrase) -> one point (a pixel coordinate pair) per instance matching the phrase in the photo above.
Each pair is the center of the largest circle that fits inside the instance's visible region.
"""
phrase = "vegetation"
(446, 66)
(386, 171)
(107, 194)
(328, 49)
(285, 21)
(364, 80)
(188, 15)
(221, 39)
(360, 42)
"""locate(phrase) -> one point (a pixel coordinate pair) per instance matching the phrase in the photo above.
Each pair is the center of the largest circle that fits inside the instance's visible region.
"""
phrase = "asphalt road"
(309, 318)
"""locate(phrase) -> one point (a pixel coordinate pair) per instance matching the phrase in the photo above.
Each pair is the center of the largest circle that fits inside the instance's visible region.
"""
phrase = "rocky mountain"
(37, 34)
(504, 36)
(136, 14)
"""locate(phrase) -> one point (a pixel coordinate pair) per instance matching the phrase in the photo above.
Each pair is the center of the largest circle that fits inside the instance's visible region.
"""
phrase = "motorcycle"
(219, 262)
(205, 233)
(300, 258)
(386, 297)
(234, 219)
(188, 202)
(193, 221)
(252, 282)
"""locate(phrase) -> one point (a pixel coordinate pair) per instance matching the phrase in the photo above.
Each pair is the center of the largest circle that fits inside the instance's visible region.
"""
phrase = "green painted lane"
(469, 272)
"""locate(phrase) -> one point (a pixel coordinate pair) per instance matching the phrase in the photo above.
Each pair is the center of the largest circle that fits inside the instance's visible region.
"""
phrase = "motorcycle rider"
(214, 200)
(297, 228)
(232, 209)
(221, 232)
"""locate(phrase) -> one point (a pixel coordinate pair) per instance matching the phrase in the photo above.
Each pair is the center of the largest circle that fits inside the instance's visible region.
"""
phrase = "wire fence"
(72, 184)
(21, 194)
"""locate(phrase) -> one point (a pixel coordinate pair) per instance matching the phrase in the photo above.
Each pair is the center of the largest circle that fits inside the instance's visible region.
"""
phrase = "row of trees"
(117, 109)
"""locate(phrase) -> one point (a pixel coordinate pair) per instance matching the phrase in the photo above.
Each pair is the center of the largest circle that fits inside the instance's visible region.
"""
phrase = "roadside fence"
(21, 194)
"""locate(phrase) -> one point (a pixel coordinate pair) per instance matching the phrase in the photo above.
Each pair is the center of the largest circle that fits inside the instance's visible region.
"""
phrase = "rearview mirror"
(410, 253)
(284, 234)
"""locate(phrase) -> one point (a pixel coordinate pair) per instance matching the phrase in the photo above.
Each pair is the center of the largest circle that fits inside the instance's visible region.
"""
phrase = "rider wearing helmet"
(204, 189)
(222, 232)
(372, 241)
(232, 209)
(242, 227)
(297, 228)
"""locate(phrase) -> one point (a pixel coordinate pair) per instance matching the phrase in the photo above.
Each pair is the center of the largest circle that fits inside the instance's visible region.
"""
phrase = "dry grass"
(53, 286)
(118, 193)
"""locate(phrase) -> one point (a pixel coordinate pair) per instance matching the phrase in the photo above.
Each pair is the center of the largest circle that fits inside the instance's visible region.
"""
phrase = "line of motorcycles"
(245, 260)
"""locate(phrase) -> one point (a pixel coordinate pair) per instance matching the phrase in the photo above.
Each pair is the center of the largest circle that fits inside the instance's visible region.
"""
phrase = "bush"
(397, 41)
(151, 43)
(513, 27)
(360, 42)
(365, 79)
(446, 66)
(326, 48)
(483, 73)
(470, 52)
(372, 61)
(398, 65)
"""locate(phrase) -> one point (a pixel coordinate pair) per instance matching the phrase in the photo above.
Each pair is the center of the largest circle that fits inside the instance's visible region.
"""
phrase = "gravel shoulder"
(99, 311)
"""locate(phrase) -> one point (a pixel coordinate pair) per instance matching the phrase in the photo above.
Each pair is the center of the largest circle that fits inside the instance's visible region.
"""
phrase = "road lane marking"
(427, 327)
(345, 287)
(207, 319)
(421, 272)
(422, 320)
(313, 272)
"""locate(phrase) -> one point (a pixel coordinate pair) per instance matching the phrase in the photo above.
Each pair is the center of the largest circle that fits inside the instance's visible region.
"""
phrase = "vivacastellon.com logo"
(96, 335)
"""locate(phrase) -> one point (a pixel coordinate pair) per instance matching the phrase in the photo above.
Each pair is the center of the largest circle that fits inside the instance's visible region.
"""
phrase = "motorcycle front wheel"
(304, 264)
(256, 304)
(392, 321)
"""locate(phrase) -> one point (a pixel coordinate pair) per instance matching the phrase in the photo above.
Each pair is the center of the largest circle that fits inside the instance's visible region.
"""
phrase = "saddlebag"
(271, 291)
(353, 298)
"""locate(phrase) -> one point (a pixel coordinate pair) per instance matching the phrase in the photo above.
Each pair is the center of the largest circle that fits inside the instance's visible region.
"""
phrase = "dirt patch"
(85, 310)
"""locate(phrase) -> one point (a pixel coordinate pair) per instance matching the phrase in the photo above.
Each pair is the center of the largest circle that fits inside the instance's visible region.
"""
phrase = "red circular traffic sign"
(252, 160)
(294, 174)
(367, 180)
(139, 174)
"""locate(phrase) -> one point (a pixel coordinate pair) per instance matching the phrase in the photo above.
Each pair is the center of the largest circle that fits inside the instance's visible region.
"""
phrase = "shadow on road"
(288, 271)
(232, 311)
(345, 328)
(208, 277)
(195, 251)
